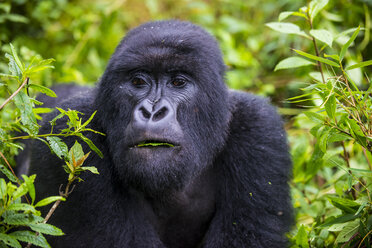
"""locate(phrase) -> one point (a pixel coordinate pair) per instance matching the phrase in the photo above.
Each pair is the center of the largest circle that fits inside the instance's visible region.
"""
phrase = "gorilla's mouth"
(154, 144)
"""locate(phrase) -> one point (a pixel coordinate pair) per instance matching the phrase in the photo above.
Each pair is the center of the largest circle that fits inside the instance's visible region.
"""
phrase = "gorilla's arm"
(254, 209)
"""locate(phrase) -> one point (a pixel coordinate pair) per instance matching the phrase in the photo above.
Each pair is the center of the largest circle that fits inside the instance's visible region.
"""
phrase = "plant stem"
(15, 93)
(65, 194)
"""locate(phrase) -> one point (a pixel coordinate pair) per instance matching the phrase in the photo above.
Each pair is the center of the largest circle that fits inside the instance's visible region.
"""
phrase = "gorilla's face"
(162, 100)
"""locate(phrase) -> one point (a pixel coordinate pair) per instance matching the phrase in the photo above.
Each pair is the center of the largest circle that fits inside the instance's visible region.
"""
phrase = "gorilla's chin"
(157, 171)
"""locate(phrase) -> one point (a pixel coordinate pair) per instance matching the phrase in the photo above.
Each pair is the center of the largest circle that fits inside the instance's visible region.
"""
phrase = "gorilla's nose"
(153, 114)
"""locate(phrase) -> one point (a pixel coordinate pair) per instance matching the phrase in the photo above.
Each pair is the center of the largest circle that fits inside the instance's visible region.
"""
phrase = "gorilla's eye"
(138, 82)
(178, 82)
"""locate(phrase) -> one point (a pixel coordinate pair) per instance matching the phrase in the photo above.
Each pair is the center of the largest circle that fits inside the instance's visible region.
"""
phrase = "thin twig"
(15, 93)
(64, 194)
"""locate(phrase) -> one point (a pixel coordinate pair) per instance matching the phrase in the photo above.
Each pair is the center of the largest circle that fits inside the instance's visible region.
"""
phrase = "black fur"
(224, 184)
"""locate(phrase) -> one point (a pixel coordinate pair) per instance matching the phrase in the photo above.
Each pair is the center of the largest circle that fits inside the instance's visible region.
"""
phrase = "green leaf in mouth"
(154, 144)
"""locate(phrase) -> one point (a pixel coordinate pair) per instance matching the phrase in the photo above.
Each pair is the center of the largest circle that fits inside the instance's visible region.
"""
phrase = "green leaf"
(89, 120)
(323, 36)
(18, 219)
(337, 220)
(7, 75)
(315, 7)
(30, 237)
(42, 65)
(21, 191)
(359, 65)
(16, 58)
(292, 62)
(13, 67)
(346, 205)
(91, 145)
(28, 118)
(2, 188)
(333, 56)
(58, 146)
(76, 151)
(9, 240)
(337, 137)
(8, 173)
(330, 107)
(287, 28)
(284, 15)
(323, 140)
(43, 89)
(315, 117)
(21, 207)
(49, 200)
(46, 229)
(348, 43)
(302, 238)
(30, 185)
(320, 59)
(349, 230)
(90, 168)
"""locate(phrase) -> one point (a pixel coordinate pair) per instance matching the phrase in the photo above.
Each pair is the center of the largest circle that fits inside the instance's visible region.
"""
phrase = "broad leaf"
(49, 200)
(46, 229)
(43, 89)
(58, 146)
(30, 237)
(9, 240)
(287, 28)
(323, 35)
(292, 62)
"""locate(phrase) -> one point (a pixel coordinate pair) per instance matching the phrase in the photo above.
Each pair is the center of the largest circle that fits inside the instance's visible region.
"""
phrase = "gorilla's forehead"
(167, 45)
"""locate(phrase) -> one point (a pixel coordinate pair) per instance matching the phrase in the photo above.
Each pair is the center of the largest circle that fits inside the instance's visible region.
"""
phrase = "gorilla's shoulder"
(253, 111)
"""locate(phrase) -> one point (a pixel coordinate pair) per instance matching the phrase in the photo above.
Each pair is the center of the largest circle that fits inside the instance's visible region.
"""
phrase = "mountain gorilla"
(187, 162)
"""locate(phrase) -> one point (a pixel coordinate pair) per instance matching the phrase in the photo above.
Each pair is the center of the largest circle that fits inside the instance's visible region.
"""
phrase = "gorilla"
(187, 162)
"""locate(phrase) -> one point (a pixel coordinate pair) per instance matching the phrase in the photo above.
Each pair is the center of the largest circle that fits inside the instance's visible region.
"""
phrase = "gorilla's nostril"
(160, 114)
(145, 113)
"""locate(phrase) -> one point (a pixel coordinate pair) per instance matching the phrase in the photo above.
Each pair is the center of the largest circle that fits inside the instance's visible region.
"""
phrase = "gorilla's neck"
(173, 215)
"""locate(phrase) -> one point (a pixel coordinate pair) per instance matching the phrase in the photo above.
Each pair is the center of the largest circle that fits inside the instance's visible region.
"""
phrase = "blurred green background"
(82, 34)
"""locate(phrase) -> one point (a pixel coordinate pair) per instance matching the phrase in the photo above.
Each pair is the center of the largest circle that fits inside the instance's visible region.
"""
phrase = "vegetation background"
(332, 175)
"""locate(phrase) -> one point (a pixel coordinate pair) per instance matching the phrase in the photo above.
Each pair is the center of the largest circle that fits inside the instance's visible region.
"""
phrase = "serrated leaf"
(8, 173)
(46, 229)
(7, 75)
(323, 36)
(28, 118)
(359, 65)
(30, 237)
(292, 62)
(18, 219)
(301, 237)
(349, 230)
(320, 59)
(9, 240)
(43, 89)
(21, 207)
(58, 146)
(13, 67)
(49, 200)
(348, 43)
(287, 28)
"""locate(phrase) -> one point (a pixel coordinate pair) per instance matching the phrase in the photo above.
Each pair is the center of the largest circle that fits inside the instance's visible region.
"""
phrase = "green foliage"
(327, 176)
(18, 210)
